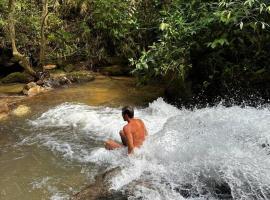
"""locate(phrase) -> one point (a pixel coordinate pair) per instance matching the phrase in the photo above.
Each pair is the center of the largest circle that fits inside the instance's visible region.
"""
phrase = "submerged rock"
(100, 189)
(21, 110)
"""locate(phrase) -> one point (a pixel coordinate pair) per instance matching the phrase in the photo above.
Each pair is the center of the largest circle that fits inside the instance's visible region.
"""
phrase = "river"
(208, 153)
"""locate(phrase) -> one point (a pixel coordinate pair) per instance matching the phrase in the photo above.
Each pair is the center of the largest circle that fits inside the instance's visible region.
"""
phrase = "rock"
(101, 189)
(25, 91)
(34, 90)
(64, 81)
(41, 75)
(18, 77)
(56, 82)
(21, 110)
(30, 85)
(40, 82)
(80, 76)
(4, 108)
(69, 68)
(115, 70)
(49, 67)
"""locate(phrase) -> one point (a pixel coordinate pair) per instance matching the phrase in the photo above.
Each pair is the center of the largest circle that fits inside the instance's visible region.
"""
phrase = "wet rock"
(30, 85)
(17, 77)
(49, 67)
(21, 110)
(56, 82)
(51, 83)
(34, 90)
(41, 75)
(100, 190)
(64, 81)
(40, 82)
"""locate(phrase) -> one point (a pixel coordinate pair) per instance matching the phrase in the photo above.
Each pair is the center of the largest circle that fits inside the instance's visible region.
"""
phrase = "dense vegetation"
(199, 48)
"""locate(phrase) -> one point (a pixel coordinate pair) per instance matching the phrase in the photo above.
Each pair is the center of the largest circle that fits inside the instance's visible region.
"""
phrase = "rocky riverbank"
(11, 95)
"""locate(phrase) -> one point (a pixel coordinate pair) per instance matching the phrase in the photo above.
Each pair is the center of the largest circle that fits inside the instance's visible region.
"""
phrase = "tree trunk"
(43, 27)
(21, 59)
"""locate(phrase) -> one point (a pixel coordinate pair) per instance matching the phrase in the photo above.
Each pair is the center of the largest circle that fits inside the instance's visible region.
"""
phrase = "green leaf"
(241, 25)
(163, 26)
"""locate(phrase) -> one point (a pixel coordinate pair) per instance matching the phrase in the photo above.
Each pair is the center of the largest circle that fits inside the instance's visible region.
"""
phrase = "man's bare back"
(132, 135)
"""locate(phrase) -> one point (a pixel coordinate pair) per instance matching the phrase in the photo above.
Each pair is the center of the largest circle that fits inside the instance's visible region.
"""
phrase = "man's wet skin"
(132, 135)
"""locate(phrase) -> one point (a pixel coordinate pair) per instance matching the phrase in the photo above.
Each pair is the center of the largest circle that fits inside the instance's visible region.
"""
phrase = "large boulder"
(17, 77)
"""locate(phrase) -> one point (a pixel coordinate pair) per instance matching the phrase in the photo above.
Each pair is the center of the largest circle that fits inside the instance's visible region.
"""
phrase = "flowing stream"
(211, 153)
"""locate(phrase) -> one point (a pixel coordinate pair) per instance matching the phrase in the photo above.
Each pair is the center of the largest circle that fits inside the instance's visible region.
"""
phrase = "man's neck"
(129, 120)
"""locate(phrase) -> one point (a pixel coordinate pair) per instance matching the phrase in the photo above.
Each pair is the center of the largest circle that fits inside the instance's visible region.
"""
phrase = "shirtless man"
(132, 135)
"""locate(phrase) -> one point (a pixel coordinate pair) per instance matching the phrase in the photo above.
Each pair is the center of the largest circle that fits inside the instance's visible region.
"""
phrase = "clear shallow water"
(200, 154)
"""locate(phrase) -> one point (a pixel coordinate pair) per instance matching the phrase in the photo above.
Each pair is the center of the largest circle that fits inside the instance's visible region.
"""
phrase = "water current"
(208, 153)
(211, 153)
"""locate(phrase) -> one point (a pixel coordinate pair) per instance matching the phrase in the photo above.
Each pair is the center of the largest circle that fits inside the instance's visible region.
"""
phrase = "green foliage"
(208, 42)
(125, 25)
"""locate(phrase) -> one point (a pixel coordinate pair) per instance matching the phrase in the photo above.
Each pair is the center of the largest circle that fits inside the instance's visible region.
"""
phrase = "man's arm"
(123, 137)
(129, 137)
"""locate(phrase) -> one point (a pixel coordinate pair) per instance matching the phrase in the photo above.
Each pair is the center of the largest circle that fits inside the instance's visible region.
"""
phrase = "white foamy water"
(208, 153)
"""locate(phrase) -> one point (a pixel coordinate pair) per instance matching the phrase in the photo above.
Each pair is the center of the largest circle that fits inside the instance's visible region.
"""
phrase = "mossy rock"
(17, 77)
(80, 76)
(115, 70)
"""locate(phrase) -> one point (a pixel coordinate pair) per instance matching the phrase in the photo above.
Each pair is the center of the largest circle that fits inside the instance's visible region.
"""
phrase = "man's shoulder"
(139, 120)
(126, 127)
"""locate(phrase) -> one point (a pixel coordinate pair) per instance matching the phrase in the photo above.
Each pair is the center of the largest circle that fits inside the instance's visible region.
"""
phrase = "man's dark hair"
(128, 110)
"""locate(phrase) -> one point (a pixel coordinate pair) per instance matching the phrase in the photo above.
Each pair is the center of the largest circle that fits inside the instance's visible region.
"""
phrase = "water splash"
(210, 153)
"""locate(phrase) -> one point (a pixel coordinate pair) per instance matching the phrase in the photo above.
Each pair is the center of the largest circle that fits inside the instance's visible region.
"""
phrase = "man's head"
(127, 113)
